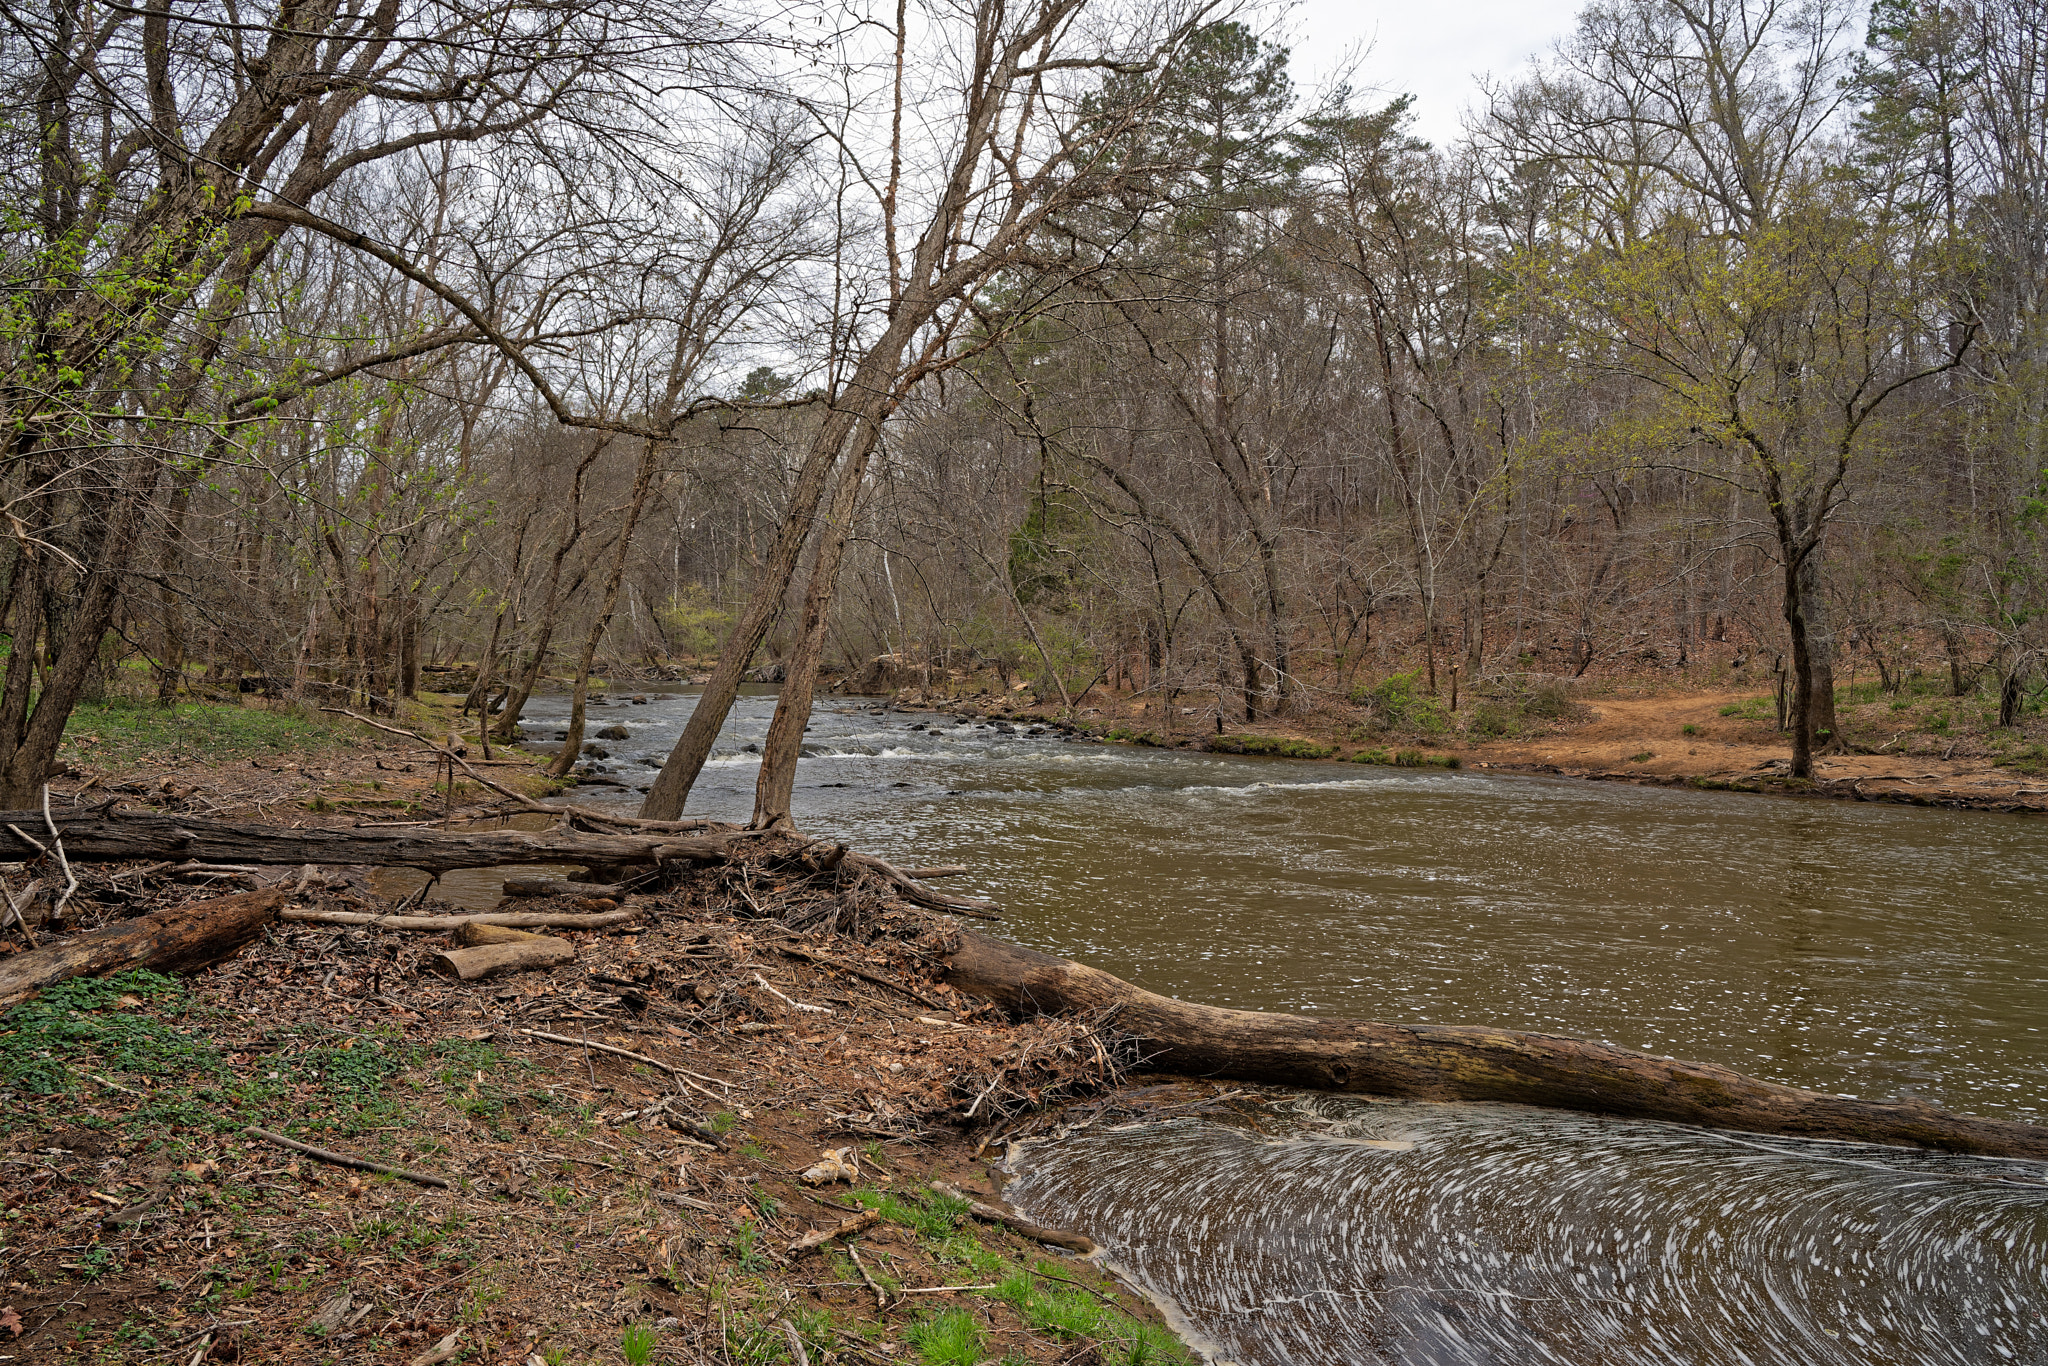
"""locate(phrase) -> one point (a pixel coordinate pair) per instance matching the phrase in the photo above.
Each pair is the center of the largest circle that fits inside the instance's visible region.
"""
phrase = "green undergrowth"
(1406, 758)
(1053, 1298)
(1048, 1300)
(121, 732)
(1143, 738)
(1279, 746)
(138, 1030)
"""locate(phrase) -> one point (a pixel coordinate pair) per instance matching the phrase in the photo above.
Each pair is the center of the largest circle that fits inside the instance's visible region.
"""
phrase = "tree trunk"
(29, 739)
(121, 835)
(871, 386)
(178, 940)
(1457, 1062)
(643, 480)
(1820, 644)
(776, 783)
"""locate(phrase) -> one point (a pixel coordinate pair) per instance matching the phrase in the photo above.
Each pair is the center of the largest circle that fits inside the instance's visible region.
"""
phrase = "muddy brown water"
(1850, 948)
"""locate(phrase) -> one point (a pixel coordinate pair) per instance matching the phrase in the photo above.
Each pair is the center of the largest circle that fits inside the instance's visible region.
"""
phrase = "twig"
(917, 892)
(586, 1161)
(344, 1160)
(1106, 1299)
(15, 908)
(881, 1300)
(796, 1344)
(994, 1082)
(674, 1071)
(57, 841)
(1058, 1237)
(440, 924)
(115, 1086)
(943, 1289)
(799, 1005)
(809, 957)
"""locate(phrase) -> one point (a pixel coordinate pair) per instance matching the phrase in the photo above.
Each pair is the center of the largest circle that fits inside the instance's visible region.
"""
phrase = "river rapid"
(1859, 949)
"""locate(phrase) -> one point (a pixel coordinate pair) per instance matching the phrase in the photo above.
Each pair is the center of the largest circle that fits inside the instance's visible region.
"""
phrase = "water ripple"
(1511, 1236)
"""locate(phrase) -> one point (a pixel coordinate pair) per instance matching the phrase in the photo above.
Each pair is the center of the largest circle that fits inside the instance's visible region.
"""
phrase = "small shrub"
(1642, 758)
(1492, 718)
(1395, 703)
(1688, 729)
(1550, 702)
(1279, 746)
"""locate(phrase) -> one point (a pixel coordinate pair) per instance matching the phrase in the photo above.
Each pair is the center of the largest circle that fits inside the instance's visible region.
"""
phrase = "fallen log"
(1459, 1062)
(444, 924)
(99, 834)
(495, 960)
(181, 939)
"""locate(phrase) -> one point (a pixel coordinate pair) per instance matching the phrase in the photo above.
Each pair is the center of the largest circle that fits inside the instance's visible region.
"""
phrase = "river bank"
(1881, 951)
(620, 1141)
(1928, 752)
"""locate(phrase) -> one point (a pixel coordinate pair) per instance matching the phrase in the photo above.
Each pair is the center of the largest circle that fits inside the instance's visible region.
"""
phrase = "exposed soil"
(593, 1196)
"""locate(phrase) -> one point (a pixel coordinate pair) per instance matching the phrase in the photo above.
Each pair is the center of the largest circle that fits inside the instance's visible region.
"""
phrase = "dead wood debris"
(617, 1130)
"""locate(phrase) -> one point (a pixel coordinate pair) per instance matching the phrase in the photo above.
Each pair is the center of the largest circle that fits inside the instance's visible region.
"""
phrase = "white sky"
(1432, 49)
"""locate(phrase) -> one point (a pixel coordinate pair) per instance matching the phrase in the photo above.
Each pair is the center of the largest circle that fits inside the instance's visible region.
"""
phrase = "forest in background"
(1066, 342)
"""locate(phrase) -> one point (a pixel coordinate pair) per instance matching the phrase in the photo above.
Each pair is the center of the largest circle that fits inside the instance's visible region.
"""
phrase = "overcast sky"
(1431, 49)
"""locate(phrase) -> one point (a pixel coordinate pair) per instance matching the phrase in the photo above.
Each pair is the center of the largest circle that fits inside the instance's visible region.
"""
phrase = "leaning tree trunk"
(1456, 1062)
(869, 391)
(776, 784)
(29, 738)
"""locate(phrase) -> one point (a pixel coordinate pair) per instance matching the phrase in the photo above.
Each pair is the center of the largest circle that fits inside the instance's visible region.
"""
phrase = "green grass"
(121, 732)
(305, 1077)
(951, 1338)
(1053, 1307)
(636, 1344)
(930, 1214)
(82, 1021)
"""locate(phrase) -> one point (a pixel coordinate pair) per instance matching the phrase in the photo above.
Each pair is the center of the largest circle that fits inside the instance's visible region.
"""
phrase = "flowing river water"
(1867, 950)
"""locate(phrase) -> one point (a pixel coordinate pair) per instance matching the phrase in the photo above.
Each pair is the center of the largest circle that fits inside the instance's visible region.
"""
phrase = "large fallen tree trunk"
(178, 940)
(117, 834)
(1458, 1062)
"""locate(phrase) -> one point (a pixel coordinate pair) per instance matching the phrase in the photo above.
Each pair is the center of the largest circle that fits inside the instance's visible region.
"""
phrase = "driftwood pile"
(826, 892)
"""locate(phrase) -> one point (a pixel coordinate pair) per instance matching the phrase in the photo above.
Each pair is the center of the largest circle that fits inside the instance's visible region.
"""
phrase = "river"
(1861, 949)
